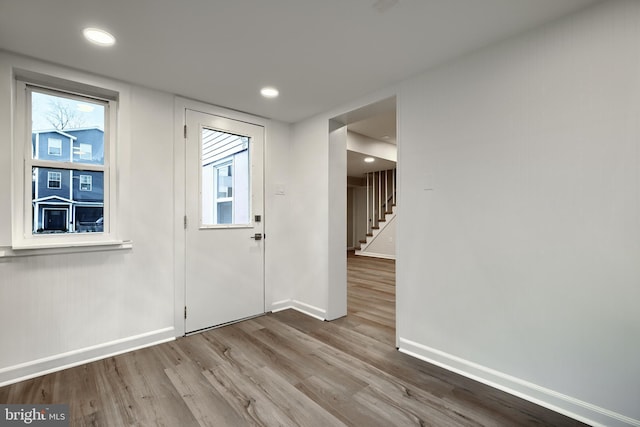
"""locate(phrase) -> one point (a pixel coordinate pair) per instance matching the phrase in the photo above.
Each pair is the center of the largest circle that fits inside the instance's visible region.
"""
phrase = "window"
(224, 193)
(225, 178)
(85, 182)
(75, 118)
(54, 179)
(64, 195)
(54, 147)
(85, 151)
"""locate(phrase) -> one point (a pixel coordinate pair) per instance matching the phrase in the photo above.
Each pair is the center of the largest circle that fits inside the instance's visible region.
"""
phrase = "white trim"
(72, 223)
(53, 199)
(280, 305)
(374, 255)
(52, 164)
(223, 226)
(7, 251)
(71, 185)
(290, 304)
(115, 133)
(87, 204)
(300, 306)
(309, 310)
(558, 402)
(38, 132)
(58, 362)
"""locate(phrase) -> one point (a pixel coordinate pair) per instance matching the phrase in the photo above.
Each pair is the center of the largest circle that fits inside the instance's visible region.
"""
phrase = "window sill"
(66, 248)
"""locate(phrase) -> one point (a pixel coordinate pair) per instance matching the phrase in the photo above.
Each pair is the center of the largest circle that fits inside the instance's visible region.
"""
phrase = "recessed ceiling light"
(269, 92)
(99, 37)
(369, 159)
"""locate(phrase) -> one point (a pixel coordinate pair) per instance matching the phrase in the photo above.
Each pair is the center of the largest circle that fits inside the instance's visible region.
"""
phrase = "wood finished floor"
(284, 369)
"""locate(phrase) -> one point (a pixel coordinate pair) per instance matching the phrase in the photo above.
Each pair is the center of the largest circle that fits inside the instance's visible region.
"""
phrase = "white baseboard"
(280, 305)
(300, 306)
(374, 255)
(558, 402)
(309, 310)
(58, 362)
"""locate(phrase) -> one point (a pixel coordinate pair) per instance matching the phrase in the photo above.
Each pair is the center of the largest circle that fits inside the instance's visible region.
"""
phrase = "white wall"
(61, 309)
(279, 248)
(337, 224)
(523, 162)
(372, 147)
(309, 210)
(64, 309)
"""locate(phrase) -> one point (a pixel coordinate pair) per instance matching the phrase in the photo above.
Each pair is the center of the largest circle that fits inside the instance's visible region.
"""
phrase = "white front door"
(224, 221)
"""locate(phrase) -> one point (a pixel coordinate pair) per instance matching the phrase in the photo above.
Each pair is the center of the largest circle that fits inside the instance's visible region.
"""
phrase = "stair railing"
(379, 200)
(368, 206)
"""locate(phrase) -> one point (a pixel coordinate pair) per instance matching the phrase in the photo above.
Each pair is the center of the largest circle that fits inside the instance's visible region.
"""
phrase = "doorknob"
(257, 236)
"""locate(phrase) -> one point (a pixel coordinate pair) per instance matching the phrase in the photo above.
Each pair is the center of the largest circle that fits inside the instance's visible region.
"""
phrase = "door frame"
(179, 182)
(48, 210)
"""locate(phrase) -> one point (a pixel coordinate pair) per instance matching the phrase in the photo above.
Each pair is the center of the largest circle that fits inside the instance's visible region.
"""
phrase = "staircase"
(381, 214)
(381, 237)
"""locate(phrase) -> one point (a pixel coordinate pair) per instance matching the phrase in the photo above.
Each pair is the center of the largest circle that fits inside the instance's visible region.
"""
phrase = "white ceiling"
(381, 126)
(319, 53)
(357, 167)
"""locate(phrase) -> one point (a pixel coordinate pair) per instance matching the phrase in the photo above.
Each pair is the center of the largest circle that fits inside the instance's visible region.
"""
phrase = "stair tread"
(362, 241)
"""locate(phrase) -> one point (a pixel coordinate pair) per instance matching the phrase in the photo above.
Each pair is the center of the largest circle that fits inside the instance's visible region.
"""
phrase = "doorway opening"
(371, 197)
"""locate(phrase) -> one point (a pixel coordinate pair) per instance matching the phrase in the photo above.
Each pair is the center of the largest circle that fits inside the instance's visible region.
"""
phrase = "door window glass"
(225, 178)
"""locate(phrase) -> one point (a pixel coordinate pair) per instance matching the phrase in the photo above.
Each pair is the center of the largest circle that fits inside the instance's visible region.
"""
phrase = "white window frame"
(50, 174)
(86, 152)
(89, 180)
(23, 237)
(57, 142)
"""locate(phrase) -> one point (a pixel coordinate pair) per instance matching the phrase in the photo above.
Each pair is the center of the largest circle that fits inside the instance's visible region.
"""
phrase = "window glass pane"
(224, 212)
(85, 151)
(54, 147)
(85, 182)
(67, 129)
(225, 178)
(54, 180)
(67, 200)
